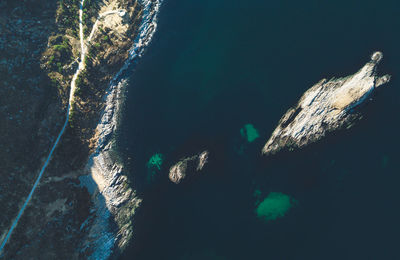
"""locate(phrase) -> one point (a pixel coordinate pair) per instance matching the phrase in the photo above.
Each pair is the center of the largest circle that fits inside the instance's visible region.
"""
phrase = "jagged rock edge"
(113, 198)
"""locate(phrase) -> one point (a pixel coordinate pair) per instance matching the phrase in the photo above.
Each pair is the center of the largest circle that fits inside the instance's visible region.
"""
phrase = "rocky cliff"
(83, 206)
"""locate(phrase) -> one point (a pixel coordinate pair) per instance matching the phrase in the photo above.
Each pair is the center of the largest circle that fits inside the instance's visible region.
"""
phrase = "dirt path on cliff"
(80, 68)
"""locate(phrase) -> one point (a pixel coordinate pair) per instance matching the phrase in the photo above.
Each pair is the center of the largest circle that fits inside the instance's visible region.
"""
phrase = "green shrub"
(51, 59)
(88, 61)
(79, 81)
(85, 31)
(61, 47)
(59, 65)
(78, 91)
(54, 81)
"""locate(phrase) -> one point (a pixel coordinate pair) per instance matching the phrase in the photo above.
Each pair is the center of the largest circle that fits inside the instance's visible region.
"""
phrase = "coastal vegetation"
(91, 9)
(60, 58)
(60, 53)
(67, 17)
(105, 53)
(49, 52)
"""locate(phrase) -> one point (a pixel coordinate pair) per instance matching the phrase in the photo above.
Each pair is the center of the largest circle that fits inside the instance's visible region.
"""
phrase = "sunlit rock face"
(195, 163)
(327, 106)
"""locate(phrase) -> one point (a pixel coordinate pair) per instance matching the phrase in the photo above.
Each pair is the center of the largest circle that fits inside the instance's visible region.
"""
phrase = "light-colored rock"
(325, 107)
(203, 158)
(113, 195)
(195, 163)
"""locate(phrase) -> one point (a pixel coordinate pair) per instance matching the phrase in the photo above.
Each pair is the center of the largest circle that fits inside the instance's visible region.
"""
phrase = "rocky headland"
(327, 106)
(83, 206)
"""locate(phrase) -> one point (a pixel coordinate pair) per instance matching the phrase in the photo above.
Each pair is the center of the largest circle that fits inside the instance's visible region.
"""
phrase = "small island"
(327, 106)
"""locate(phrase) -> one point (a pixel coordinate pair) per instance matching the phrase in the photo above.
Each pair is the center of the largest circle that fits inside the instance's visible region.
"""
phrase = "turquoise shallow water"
(220, 74)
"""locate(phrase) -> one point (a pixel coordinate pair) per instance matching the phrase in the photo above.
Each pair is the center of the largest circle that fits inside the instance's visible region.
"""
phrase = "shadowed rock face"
(325, 107)
(195, 163)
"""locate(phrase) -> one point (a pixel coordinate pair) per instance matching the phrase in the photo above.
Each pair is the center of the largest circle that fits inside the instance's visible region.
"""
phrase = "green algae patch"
(274, 206)
(155, 161)
(154, 165)
(249, 133)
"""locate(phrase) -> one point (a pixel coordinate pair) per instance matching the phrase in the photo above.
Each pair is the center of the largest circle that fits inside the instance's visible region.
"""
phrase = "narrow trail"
(148, 23)
(71, 96)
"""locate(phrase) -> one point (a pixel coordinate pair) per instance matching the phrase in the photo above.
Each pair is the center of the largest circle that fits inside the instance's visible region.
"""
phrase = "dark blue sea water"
(217, 65)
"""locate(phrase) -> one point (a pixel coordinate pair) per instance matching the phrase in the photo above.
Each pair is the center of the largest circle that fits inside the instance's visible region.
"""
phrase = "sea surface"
(219, 75)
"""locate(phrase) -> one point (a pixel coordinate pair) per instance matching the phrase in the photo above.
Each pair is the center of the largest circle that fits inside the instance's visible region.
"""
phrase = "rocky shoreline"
(114, 199)
(84, 204)
(113, 195)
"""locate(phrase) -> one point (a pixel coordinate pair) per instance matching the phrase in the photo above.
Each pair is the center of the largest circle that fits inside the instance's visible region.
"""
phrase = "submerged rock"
(275, 205)
(154, 166)
(249, 132)
(325, 107)
(194, 163)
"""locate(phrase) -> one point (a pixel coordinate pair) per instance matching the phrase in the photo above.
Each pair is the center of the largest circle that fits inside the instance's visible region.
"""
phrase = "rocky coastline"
(83, 206)
(114, 196)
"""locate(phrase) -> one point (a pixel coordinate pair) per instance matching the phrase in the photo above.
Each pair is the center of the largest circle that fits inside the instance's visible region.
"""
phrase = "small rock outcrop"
(195, 163)
(325, 107)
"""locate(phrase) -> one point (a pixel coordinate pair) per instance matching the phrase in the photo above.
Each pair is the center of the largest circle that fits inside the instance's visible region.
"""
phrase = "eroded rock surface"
(325, 107)
(195, 163)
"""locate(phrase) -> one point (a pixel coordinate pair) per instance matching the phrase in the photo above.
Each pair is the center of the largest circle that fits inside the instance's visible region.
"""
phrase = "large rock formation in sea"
(327, 106)
(190, 164)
